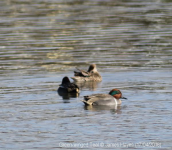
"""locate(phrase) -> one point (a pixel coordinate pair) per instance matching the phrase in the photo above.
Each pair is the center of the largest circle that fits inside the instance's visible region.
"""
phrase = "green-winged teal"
(113, 98)
(91, 75)
(67, 87)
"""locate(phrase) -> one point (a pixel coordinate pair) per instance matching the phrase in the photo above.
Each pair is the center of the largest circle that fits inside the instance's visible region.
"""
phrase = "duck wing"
(98, 99)
(81, 73)
(69, 86)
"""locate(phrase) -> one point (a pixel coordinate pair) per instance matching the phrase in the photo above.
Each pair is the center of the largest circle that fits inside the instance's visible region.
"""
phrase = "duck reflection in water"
(67, 89)
(104, 108)
(89, 85)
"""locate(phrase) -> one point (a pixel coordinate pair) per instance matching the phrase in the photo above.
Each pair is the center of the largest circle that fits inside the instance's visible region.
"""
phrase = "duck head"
(65, 80)
(92, 68)
(116, 94)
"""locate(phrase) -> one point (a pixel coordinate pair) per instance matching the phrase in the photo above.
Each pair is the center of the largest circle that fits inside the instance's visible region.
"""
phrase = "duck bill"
(123, 98)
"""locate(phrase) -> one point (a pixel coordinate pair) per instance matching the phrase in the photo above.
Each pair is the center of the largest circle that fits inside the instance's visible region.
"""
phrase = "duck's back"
(99, 99)
(69, 87)
(87, 77)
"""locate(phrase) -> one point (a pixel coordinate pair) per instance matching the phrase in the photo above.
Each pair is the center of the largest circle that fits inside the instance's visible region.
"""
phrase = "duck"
(91, 75)
(113, 98)
(67, 87)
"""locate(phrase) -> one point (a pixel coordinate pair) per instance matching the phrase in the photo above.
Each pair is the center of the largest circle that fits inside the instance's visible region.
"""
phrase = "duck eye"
(114, 92)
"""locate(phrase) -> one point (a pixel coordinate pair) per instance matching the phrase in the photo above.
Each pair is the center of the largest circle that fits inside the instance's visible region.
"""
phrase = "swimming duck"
(68, 87)
(113, 98)
(91, 75)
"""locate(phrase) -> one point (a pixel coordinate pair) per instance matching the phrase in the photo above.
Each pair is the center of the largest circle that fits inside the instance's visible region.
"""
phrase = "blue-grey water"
(43, 41)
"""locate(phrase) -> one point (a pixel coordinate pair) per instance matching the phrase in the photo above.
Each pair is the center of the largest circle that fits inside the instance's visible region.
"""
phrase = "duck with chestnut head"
(113, 98)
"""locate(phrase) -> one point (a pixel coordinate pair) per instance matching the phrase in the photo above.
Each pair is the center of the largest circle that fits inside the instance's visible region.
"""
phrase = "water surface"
(43, 41)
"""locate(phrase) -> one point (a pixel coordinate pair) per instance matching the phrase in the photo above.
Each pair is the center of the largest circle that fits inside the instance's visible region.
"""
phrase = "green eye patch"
(114, 93)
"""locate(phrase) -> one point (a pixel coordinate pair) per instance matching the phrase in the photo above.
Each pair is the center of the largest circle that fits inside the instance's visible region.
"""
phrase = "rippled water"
(43, 41)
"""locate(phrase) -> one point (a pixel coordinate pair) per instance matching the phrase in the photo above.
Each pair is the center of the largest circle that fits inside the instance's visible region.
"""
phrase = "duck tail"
(85, 102)
(74, 79)
(78, 69)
